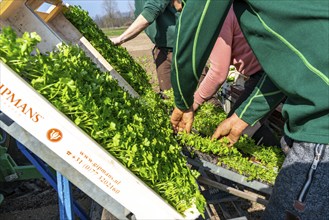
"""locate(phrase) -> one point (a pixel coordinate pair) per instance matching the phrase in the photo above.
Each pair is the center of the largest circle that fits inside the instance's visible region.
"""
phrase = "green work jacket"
(162, 18)
(290, 40)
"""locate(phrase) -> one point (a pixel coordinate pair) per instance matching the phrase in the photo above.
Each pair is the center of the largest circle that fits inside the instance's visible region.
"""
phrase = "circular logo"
(54, 135)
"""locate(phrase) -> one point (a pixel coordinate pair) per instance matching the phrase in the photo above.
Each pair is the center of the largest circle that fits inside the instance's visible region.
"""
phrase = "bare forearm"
(139, 25)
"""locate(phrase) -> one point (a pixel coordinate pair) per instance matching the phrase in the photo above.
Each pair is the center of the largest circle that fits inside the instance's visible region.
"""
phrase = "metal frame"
(60, 184)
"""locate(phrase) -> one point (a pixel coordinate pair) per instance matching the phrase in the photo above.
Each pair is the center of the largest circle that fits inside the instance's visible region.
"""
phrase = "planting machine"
(52, 142)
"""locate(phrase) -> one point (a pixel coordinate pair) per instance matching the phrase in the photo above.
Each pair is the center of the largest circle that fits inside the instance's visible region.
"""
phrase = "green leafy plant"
(207, 118)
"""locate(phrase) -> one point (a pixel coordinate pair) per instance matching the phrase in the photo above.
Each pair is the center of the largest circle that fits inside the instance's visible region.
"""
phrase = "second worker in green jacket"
(158, 19)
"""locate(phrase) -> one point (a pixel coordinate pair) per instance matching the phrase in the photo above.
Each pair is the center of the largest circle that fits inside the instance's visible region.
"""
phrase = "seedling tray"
(209, 163)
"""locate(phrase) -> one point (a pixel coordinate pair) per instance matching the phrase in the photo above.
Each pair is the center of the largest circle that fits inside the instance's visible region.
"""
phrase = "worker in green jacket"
(290, 41)
(158, 19)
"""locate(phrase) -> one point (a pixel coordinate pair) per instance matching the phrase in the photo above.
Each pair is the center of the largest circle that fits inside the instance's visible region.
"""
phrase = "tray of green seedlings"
(117, 56)
(135, 131)
(260, 163)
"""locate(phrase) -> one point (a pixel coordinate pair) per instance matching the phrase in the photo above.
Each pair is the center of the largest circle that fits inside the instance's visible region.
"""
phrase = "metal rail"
(232, 191)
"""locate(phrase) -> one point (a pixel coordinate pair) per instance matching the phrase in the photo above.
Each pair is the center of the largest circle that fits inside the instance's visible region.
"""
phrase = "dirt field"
(37, 200)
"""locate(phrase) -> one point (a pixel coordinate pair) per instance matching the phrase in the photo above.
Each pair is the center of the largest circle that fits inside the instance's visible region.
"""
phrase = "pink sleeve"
(220, 60)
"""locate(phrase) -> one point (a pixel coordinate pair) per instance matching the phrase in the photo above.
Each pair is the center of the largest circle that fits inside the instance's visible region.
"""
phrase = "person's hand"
(116, 40)
(231, 128)
(182, 120)
(177, 4)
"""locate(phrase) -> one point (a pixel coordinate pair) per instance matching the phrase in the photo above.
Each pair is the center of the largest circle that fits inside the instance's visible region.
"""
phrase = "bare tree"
(111, 11)
(113, 17)
(99, 20)
(131, 9)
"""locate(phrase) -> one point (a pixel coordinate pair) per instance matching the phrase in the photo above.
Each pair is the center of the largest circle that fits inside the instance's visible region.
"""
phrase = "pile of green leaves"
(117, 56)
(138, 135)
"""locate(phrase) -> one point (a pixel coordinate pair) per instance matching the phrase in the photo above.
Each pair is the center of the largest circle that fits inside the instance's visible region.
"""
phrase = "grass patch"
(113, 32)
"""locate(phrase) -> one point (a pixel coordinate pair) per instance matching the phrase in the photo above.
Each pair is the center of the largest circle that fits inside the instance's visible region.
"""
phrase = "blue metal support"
(64, 197)
(61, 187)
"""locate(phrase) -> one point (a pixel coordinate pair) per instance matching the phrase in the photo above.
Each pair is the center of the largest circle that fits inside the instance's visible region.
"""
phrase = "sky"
(95, 7)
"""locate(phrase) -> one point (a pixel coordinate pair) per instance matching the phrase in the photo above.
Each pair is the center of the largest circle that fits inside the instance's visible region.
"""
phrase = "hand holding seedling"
(231, 128)
(182, 120)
